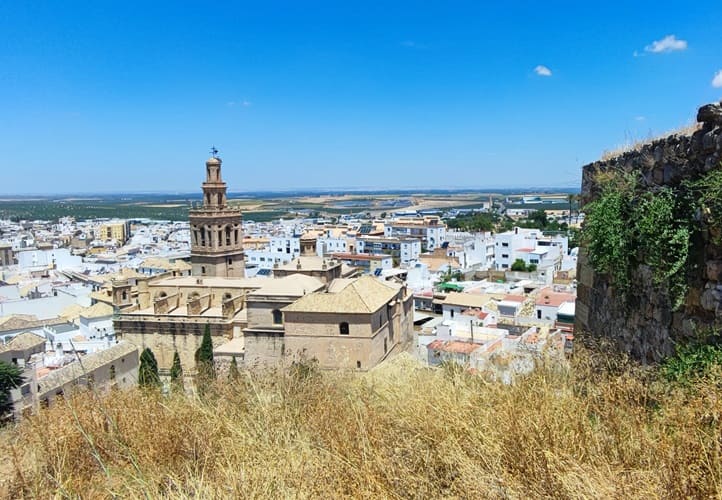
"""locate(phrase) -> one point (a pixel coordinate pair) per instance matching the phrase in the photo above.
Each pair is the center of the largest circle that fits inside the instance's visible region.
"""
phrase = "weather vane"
(214, 152)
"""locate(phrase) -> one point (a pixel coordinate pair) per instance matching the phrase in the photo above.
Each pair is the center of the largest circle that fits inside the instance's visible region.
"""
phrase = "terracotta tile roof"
(23, 341)
(550, 298)
(513, 298)
(98, 310)
(364, 295)
(454, 346)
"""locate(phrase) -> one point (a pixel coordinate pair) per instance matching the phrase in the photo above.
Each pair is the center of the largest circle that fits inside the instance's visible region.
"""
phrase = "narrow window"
(358, 364)
(343, 328)
(277, 317)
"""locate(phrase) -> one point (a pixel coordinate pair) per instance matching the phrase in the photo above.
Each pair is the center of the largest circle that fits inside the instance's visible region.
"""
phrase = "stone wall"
(644, 323)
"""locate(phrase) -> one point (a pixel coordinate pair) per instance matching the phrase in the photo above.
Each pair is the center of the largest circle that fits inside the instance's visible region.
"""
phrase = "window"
(505, 244)
(203, 269)
(386, 345)
(505, 256)
(230, 261)
(277, 317)
(343, 328)
(452, 313)
(538, 314)
(358, 364)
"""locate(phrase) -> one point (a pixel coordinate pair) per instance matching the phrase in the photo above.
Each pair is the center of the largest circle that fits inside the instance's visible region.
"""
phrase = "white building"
(280, 250)
(430, 230)
(407, 250)
(530, 246)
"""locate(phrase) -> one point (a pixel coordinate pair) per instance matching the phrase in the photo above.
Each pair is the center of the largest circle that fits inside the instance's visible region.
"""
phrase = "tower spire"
(216, 231)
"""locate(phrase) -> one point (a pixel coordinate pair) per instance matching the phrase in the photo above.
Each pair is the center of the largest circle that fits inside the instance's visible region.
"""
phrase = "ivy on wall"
(631, 225)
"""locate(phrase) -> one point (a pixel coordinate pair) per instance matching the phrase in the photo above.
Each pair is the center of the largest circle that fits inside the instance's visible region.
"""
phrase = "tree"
(10, 378)
(176, 374)
(233, 374)
(519, 265)
(204, 356)
(148, 371)
(539, 219)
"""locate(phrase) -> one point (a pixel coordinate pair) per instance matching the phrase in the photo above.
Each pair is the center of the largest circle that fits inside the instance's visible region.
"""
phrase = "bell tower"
(216, 232)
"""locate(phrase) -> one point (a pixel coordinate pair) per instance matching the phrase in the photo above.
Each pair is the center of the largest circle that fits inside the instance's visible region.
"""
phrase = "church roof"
(294, 285)
(363, 295)
(308, 263)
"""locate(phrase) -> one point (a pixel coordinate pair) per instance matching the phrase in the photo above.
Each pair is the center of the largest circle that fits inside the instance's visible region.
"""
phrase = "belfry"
(216, 231)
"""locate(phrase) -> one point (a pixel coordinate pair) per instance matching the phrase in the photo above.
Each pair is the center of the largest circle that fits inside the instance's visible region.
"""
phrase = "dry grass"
(633, 144)
(599, 428)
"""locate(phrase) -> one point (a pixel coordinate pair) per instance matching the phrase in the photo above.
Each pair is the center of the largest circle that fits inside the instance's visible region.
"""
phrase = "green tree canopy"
(176, 373)
(11, 377)
(148, 371)
(233, 374)
(204, 356)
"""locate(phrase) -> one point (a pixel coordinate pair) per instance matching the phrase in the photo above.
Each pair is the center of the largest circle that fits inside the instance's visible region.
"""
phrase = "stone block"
(714, 270)
(710, 299)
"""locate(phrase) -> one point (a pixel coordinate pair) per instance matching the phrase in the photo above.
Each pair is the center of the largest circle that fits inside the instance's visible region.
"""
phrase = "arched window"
(125, 295)
(277, 317)
(228, 235)
(343, 328)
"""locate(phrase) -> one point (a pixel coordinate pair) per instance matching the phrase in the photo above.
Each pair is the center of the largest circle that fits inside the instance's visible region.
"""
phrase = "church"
(313, 308)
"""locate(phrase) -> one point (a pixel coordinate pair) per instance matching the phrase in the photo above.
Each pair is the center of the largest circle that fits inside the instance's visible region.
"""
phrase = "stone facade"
(181, 307)
(646, 325)
(216, 232)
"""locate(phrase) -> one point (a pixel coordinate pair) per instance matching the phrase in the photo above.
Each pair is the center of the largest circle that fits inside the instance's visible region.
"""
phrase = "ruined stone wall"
(644, 323)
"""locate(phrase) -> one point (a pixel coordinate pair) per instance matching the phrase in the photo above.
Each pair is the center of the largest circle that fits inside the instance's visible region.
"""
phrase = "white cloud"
(244, 103)
(542, 71)
(640, 118)
(717, 80)
(669, 43)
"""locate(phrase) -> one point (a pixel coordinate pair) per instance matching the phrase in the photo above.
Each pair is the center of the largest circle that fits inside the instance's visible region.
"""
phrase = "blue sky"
(130, 96)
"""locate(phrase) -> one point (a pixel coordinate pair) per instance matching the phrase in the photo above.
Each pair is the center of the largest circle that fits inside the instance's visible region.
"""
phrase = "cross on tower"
(214, 152)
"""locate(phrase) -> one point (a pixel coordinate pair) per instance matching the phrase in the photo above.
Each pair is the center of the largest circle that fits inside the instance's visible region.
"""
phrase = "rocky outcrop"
(644, 323)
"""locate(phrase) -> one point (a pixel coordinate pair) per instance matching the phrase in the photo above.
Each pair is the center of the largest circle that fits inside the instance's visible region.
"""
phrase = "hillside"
(600, 427)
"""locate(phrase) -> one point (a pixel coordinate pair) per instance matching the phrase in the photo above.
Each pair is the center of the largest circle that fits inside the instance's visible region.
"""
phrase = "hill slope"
(597, 428)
